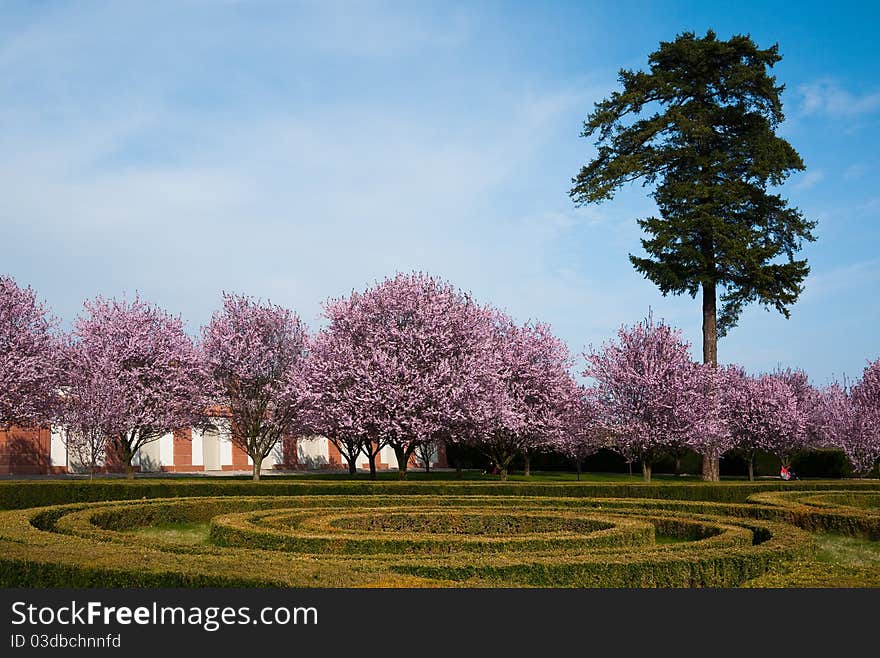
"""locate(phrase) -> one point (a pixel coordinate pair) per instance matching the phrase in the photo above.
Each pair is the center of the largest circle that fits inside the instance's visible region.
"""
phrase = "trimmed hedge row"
(88, 544)
(579, 533)
(810, 512)
(860, 500)
(422, 533)
(17, 494)
(727, 567)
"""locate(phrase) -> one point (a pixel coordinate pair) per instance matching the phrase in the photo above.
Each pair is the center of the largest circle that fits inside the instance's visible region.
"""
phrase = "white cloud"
(808, 180)
(831, 282)
(829, 98)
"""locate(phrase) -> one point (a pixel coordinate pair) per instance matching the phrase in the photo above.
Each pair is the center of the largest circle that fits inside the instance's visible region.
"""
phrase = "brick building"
(43, 451)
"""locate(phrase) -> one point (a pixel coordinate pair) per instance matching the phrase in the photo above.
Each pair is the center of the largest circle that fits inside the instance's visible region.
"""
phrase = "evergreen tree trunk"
(646, 471)
(710, 471)
(710, 325)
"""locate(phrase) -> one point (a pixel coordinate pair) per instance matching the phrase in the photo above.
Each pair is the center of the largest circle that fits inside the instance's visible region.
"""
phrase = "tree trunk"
(458, 473)
(128, 466)
(710, 325)
(372, 459)
(630, 466)
(402, 458)
(258, 466)
(678, 464)
(711, 467)
(578, 467)
(646, 471)
(527, 471)
(751, 469)
(504, 473)
(352, 466)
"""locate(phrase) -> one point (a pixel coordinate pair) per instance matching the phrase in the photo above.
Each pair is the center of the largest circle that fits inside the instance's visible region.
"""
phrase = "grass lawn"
(182, 533)
(840, 561)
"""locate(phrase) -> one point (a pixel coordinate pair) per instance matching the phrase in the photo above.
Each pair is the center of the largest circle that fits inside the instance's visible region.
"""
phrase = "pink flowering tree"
(88, 412)
(526, 405)
(134, 376)
(765, 416)
(644, 389)
(807, 398)
(331, 409)
(790, 417)
(254, 355)
(850, 419)
(584, 434)
(398, 365)
(31, 372)
(710, 413)
(862, 446)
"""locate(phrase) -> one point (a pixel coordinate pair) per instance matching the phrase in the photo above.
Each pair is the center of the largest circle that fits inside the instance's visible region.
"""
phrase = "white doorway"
(211, 450)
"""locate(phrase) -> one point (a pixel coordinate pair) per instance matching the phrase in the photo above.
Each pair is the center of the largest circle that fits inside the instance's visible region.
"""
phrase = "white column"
(58, 450)
(389, 457)
(225, 450)
(198, 450)
(166, 450)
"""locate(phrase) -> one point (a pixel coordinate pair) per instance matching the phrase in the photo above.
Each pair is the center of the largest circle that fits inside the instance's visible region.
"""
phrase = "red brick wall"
(239, 460)
(380, 465)
(183, 453)
(334, 457)
(441, 455)
(25, 451)
(289, 453)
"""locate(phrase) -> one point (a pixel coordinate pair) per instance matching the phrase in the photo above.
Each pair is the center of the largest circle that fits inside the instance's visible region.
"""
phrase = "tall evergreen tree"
(700, 129)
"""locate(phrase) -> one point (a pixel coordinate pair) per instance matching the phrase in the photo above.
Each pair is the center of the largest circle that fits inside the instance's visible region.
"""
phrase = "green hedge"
(584, 533)
(24, 494)
(814, 516)
(88, 544)
(331, 534)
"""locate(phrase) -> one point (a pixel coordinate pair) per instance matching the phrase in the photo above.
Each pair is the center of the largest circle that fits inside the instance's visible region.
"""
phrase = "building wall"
(42, 450)
(25, 451)
(57, 451)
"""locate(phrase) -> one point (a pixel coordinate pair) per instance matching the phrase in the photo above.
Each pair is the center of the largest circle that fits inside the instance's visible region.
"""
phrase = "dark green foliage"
(700, 127)
(24, 494)
(830, 463)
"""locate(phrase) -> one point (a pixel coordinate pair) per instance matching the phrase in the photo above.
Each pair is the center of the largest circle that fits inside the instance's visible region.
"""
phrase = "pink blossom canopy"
(30, 367)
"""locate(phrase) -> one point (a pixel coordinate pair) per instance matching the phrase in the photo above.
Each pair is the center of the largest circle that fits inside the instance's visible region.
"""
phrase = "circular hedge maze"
(428, 540)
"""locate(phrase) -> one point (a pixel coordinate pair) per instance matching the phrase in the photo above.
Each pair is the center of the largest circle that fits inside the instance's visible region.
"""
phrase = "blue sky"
(297, 151)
